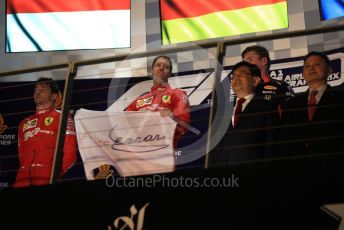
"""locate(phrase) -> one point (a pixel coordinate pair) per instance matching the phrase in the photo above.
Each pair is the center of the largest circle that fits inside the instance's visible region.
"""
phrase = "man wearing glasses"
(250, 135)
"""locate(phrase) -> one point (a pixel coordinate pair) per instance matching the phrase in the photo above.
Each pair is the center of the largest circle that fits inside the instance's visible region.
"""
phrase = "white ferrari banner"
(135, 143)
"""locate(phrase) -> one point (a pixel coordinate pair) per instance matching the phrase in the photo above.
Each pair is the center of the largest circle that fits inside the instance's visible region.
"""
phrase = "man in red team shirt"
(37, 136)
(168, 101)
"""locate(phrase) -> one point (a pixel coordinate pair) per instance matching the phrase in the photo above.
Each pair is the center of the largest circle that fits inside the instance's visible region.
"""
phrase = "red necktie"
(312, 102)
(238, 110)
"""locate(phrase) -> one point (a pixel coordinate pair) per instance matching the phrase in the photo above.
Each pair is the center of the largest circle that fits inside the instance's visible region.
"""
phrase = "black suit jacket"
(324, 134)
(253, 138)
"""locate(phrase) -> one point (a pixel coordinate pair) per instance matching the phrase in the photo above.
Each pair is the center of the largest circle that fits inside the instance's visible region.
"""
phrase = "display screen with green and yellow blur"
(193, 20)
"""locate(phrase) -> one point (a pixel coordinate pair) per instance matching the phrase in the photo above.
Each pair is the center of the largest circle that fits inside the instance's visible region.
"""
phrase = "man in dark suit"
(314, 120)
(250, 135)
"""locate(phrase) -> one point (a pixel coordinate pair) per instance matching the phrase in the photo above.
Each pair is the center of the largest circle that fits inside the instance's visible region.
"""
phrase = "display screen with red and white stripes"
(40, 25)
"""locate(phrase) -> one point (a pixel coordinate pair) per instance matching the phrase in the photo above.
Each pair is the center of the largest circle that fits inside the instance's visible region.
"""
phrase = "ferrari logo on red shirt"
(166, 98)
(48, 120)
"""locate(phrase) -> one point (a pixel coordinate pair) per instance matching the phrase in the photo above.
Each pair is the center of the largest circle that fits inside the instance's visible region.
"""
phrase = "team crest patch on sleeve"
(48, 120)
(30, 124)
(166, 98)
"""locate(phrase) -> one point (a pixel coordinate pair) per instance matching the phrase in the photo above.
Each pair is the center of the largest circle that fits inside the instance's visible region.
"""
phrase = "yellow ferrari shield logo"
(166, 98)
(48, 120)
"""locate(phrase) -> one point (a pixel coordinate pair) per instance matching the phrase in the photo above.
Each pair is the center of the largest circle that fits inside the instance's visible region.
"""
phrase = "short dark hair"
(49, 81)
(165, 57)
(260, 50)
(254, 70)
(319, 54)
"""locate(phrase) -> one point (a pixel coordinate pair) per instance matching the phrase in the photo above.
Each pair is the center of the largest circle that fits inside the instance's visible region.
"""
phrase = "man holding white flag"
(168, 101)
(138, 142)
